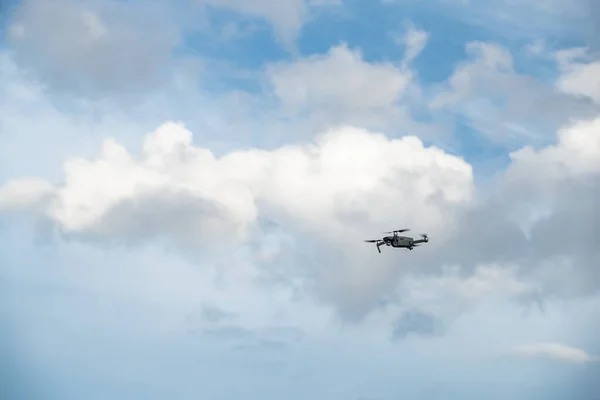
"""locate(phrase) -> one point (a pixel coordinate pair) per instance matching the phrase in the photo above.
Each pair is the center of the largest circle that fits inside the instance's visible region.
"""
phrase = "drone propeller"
(398, 231)
(377, 242)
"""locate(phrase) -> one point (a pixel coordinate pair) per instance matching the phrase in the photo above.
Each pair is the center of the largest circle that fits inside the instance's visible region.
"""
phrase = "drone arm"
(378, 243)
(424, 240)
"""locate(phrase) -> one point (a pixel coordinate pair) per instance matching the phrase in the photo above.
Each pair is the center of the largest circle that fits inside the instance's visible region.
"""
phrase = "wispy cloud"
(555, 351)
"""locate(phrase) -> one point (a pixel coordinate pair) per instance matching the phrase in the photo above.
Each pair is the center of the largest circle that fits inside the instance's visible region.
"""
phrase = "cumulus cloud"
(555, 351)
(350, 184)
(24, 194)
(334, 79)
(508, 107)
(276, 234)
(319, 185)
(345, 186)
(430, 305)
(449, 293)
(541, 215)
(579, 77)
(335, 187)
(93, 46)
(575, 155)
(131, 201)
(341, 87)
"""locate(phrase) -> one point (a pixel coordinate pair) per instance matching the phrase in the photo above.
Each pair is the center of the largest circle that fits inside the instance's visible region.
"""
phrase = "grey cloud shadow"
(213, 314)
(214, 323)
(238, 338)
(416, 322)
(177, 220)
(94, 48)
(488, 233)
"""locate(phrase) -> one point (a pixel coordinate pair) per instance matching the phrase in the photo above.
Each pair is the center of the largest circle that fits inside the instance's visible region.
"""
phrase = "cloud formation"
(333, 188)
(323, 89)
(555, 351)
(94, 46)
(508, 107)
(287, 16)
(224, 255)
(579, 77)
(346, 183)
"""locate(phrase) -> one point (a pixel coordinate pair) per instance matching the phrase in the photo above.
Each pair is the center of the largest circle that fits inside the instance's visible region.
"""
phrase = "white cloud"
(449, 294)
(24, 194)
(537, 48)
(76, 304)
(342, 172)
(506, 106)
(333, 189)
(126, 198)
(558, 182)
(345, 186)
(555, 351)
(565, 57)
(550, 194)
(537, 178)
(579, 78)
(487, 281)
(341, 87)
(415, 41)
(286, 16)
(488, 60)
(577, 154)
(339, 82)
(93, 46)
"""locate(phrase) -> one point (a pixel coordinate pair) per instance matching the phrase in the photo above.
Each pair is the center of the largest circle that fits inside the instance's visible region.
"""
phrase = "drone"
(399, 241)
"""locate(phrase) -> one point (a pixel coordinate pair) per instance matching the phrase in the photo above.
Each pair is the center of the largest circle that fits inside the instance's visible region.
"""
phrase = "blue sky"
(185, 190)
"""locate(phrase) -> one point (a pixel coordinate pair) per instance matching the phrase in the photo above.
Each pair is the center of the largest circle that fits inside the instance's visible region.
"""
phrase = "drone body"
(398, 241)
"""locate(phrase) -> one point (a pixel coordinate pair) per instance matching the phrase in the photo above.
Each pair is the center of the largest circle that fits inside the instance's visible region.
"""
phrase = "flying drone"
(399, 241)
